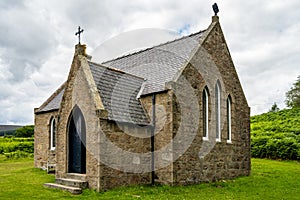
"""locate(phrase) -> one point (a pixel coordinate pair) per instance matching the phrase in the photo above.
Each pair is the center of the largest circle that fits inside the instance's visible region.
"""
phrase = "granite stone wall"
(163, 134)
(42, 132)
(122, 153)
(211, 160)
(80, 91)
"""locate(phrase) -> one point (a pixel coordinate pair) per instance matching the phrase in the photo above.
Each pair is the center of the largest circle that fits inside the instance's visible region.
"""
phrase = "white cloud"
(37, 43)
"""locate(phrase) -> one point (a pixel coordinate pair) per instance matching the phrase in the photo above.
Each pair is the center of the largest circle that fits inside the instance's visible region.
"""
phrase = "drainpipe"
(152, 140)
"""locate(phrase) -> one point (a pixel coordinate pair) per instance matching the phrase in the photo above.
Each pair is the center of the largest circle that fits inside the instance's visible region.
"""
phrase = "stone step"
(72, 182)
(73, 190)
(75, 176)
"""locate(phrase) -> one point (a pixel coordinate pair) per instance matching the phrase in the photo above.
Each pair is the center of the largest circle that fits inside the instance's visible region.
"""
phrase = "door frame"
(76, 114)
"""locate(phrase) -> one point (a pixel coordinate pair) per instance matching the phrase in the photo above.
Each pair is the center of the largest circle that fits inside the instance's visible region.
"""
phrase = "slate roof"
(53, 102)
(158, 64)
(148, 70)
(118, 92)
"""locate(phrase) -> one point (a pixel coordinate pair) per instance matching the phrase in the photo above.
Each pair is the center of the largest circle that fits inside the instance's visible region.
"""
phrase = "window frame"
(218, 111)
(52, 133)
(205, 101)
(229, 120)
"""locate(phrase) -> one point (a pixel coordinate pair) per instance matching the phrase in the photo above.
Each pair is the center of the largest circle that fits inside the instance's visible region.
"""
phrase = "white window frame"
(218, 112)
(205, 114)
(229, 119)
(52, 133)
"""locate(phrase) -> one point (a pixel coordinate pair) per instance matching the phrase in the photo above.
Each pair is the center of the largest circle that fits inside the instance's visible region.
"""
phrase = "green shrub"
(16, 147)
(275, 148)
(25, 131)
(259, 146)
(276, 135)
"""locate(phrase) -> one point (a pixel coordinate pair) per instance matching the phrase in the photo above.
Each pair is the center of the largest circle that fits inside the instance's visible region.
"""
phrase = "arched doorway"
(77, 138)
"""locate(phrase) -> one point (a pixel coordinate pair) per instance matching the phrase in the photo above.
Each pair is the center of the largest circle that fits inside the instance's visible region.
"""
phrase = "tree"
(25, 131)
(274, 108)
(293, 96)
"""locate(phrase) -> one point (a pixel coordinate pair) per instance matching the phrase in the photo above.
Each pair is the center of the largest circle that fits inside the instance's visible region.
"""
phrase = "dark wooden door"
(77, 150)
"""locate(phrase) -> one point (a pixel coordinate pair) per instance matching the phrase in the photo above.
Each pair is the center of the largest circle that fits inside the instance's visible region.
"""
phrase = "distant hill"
(8, 129)
(276, 135)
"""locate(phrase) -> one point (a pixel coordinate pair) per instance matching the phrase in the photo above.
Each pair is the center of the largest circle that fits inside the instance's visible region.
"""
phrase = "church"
(172, 114)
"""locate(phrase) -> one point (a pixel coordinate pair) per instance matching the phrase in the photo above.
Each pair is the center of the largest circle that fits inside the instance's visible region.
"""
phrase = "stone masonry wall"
(215, 45)
(131, 163)
(82, 92)
(42, 152)
(121, 149)
(163, 145)
(210, 160)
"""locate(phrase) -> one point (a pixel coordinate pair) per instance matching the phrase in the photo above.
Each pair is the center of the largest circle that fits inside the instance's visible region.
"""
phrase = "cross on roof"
(78, 33)
(215, 8)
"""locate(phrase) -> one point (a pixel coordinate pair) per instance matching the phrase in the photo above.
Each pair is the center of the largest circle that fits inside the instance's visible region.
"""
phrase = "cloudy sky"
(37, 43)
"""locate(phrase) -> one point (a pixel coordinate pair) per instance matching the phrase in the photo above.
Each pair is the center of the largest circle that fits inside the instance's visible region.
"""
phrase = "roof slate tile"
(118, 92)
(158, 64)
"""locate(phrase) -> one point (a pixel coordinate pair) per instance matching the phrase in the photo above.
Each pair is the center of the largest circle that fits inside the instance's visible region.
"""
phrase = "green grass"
(269, 180)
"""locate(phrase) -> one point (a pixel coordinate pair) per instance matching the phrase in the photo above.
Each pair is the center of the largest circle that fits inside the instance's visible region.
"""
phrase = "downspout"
(152, 140)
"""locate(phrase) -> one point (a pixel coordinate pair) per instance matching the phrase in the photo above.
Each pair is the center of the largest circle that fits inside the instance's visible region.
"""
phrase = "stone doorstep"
(73, 190)
(75, 176)
(72, 183)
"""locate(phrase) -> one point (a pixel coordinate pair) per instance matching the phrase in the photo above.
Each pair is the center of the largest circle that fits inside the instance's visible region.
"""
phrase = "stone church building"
(172, 114)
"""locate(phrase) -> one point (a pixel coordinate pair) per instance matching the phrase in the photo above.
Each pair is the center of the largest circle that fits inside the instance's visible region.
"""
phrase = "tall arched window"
(205, 113)
(52, 133)
(218, 111)
(229, 119)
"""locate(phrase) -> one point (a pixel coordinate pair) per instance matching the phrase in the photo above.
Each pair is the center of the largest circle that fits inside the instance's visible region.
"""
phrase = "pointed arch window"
(52, 133)
(205, 113)
(218, 111)
(229, 119)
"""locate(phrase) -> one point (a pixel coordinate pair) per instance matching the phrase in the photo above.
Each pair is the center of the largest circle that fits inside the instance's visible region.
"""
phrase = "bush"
(275, 148)
(25, 131)
(276, 135)
(16, 147)
(258, 146)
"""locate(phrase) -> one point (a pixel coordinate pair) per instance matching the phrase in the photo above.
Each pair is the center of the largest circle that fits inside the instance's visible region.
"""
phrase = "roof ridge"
(115, 69)
(155, 46)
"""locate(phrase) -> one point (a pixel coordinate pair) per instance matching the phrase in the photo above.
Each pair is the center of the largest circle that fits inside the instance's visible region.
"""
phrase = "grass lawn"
(269, 180)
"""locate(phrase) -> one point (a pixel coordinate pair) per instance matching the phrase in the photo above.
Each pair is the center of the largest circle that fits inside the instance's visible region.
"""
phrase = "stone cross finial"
(78, 33)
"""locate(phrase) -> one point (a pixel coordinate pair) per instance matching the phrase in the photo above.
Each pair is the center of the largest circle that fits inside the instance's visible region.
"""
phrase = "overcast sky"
(37, 43)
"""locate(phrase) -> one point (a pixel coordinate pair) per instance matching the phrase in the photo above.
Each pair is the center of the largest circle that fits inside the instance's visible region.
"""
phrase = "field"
(15, 148)
(269, 180)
